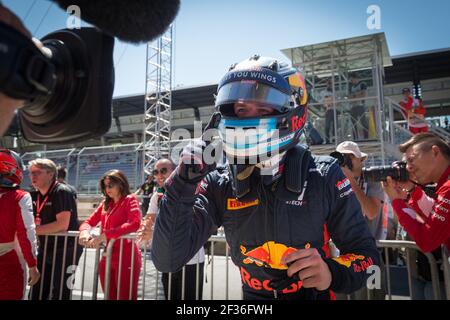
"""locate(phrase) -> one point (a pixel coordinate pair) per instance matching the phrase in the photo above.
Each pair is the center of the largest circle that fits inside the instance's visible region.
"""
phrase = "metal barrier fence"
(58, 272)
(69, 271)
(410, 246)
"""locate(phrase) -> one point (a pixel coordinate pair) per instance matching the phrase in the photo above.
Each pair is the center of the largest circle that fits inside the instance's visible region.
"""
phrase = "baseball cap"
(351, 147)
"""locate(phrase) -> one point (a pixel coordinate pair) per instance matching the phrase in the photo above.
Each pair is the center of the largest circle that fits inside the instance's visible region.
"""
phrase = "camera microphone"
(130, 21)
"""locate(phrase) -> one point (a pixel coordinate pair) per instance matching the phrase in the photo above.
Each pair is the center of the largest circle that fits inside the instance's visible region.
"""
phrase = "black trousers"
(144, 206)
(329, 125)
(358, 116)
(51, 288)
(189, 283)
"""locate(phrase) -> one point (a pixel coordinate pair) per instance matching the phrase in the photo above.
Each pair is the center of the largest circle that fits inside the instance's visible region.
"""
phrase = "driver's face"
(251, 109)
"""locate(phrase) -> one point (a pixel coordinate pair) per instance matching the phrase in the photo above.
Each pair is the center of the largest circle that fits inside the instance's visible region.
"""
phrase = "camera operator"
(370, 196)
(428, 161)
(7, 104)
(65, 83)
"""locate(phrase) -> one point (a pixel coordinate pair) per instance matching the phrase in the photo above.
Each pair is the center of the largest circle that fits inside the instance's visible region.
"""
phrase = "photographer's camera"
(397, 170)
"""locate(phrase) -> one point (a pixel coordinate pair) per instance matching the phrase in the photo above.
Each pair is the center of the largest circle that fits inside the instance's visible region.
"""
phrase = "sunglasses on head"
(162, 171)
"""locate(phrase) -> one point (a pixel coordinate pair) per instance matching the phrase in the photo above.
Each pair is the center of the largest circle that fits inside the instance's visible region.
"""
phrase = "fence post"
(108, 267)
(95, 284)
(434, 276)
(446, 263)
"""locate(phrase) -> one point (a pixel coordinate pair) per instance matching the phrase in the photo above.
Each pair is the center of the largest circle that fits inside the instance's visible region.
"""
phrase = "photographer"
(370, 196)
(428, 160)
(7, 104)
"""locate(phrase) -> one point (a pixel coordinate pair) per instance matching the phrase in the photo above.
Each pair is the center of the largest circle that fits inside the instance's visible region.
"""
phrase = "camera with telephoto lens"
(343, 159)
(67, 89)
(397, 171)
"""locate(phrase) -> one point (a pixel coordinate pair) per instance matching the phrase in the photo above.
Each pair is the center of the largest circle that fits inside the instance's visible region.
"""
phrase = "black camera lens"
(79, 106)
(397, 171)
(343, 159)
(339, 156)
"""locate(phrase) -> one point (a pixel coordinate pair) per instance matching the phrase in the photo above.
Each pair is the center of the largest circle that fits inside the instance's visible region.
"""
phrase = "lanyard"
(40, 206)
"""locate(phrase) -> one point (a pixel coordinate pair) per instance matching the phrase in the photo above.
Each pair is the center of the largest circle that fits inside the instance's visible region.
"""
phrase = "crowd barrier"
(71, 272)
(409, 248)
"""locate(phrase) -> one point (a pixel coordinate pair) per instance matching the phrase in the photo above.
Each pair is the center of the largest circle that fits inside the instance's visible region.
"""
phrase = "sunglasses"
(162, 171)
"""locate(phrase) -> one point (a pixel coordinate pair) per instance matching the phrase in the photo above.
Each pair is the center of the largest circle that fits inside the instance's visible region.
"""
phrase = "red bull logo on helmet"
(298, 122)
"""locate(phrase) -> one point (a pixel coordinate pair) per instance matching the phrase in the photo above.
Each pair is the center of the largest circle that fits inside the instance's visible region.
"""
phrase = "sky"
(211, 35)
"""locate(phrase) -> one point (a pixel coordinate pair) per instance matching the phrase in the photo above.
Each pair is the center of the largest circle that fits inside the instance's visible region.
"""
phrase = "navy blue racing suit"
(263, 229)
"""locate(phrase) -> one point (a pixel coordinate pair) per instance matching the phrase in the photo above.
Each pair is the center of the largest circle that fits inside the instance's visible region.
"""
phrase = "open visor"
(252, 91)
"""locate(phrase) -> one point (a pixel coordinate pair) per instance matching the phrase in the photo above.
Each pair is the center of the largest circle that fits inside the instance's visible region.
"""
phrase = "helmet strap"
(297, 167)
(244, 174)
(240, 181)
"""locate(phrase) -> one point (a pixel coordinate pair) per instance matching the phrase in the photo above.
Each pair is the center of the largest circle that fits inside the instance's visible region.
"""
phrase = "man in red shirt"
(417, 122)
(428, 161)
(406, 103)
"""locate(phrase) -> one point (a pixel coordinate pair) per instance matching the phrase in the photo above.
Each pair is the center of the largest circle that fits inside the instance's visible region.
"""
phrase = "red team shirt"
(17, 242)
(19, 223)
(122, 218)
(427, 220)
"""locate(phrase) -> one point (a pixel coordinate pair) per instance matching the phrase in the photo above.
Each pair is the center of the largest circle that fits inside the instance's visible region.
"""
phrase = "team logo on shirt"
(299, 202)
(438, 216)
(234, 204)
(342, 184)
(347, 259)
(442, 199)
(269, 255)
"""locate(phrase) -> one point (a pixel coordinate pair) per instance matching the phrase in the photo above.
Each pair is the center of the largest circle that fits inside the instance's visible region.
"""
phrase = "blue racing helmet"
(263, 82)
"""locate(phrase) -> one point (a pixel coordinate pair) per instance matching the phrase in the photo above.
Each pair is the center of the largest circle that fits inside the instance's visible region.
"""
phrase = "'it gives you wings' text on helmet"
(264, 82)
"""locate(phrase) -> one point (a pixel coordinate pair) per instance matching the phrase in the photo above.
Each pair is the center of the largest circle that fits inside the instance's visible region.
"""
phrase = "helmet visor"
(252, 91)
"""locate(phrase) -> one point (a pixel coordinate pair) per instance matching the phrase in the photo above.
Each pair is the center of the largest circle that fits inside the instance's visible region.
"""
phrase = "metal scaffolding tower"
(158, 100)
(330, 65)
